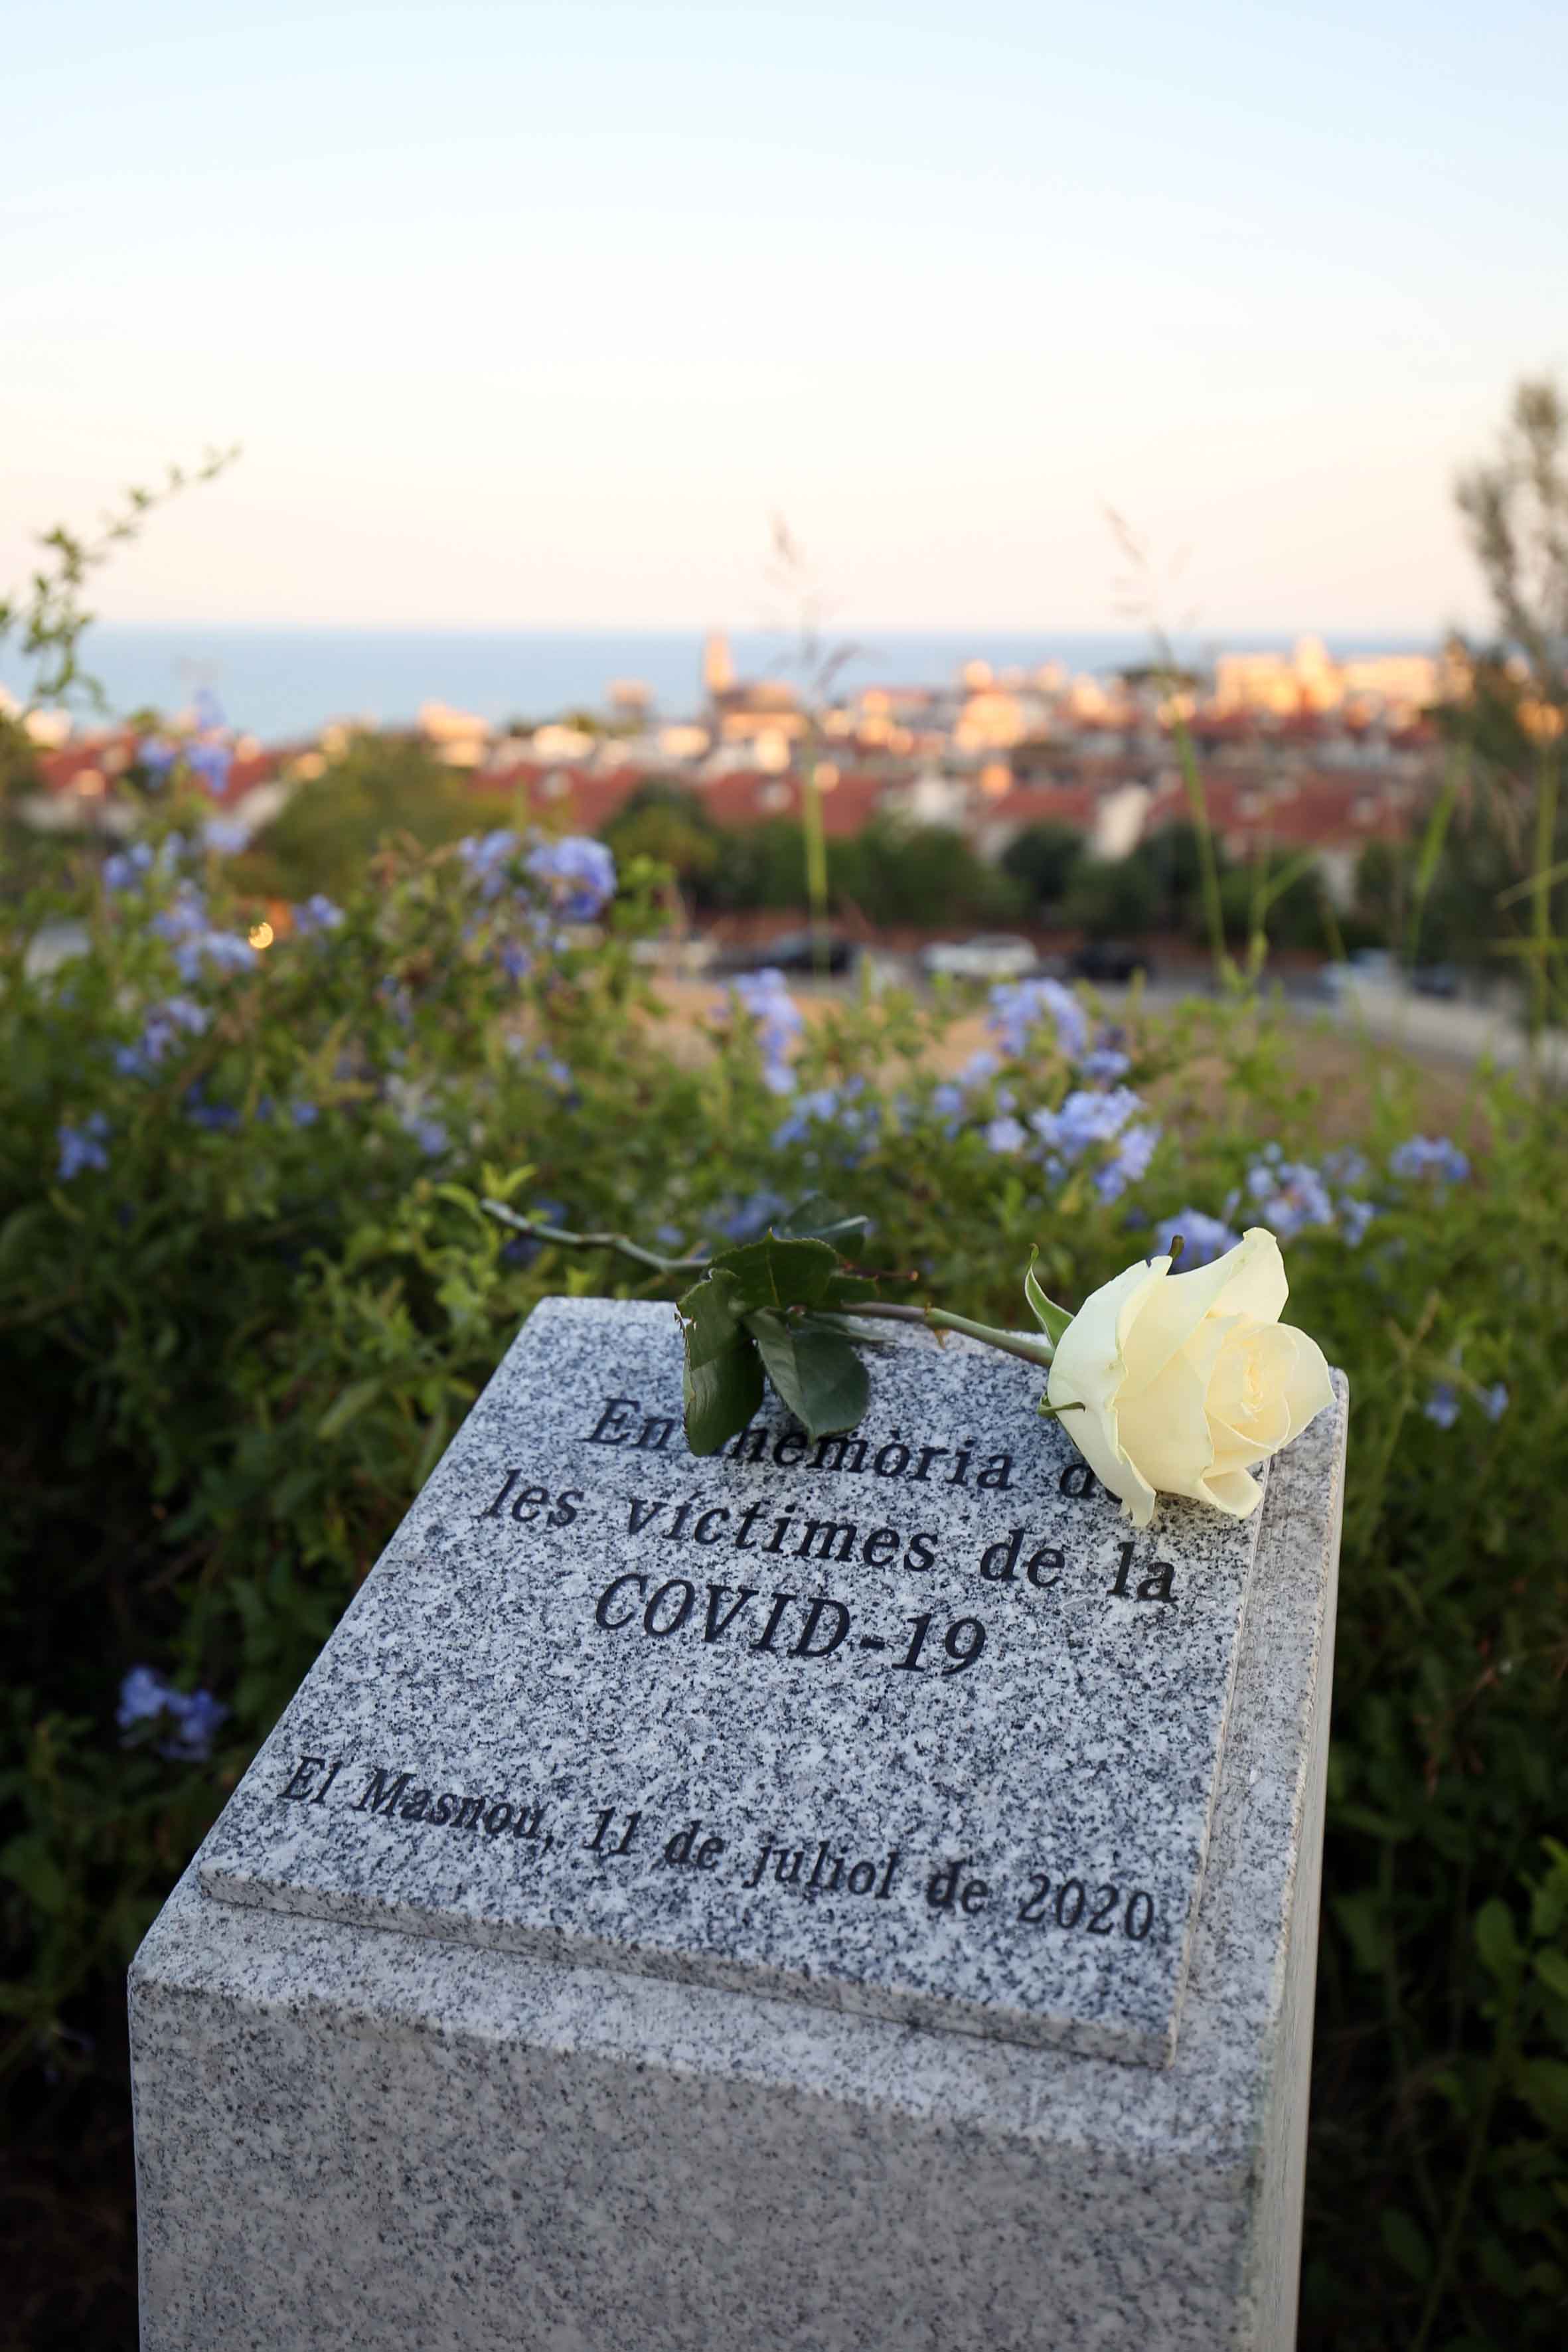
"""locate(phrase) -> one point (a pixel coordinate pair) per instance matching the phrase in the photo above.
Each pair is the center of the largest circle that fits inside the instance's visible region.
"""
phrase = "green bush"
(248, 1292)
(1044, 858)
(889, 873)
(377, 787)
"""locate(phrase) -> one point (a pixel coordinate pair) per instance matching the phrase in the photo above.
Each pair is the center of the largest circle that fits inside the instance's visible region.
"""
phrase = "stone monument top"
(910, 1721)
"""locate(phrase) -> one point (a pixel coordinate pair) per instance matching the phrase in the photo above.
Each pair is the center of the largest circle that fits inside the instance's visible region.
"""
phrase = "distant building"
(717, 669)
(1308, 680)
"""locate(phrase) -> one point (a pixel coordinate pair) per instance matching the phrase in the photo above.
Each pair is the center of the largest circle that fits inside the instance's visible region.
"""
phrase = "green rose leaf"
(723, 1373)
(848, 1290)
(776, 1274)
(1052, 1320)
(815, 1369)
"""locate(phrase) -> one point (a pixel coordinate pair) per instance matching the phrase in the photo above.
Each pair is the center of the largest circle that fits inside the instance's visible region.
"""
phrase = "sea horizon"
(284, 681)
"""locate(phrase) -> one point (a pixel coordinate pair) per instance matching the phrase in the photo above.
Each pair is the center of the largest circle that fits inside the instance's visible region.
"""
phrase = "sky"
(534, 314)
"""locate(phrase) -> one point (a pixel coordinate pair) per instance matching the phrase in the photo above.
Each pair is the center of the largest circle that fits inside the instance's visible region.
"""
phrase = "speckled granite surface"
(906, 1722)
(352, 2141)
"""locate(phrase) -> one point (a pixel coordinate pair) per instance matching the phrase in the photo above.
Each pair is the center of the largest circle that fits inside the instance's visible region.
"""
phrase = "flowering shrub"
(248, 1291)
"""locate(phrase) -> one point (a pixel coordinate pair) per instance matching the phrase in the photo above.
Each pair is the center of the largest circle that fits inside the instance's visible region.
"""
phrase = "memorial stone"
(511, 1963)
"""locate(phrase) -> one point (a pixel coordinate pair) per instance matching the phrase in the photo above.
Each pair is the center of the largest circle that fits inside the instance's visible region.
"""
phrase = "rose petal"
(1167, 1431)
(1308, 1387)
(1247, 1389)
(1234, 1491)
(1247, 1281)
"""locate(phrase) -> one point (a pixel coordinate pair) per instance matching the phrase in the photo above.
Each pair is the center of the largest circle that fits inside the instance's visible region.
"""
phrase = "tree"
(379, 786)
(920, 873)
(665, 821)
(1115, 898)
(1044, 858)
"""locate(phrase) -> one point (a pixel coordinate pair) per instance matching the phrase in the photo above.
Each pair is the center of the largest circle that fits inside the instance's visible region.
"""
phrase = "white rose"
(1185, 1380)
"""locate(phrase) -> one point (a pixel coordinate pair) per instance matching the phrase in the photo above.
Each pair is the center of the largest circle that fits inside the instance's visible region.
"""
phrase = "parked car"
(795, 952)
(991, 955)
(1110, 960)
(1436, 980)
(1373, 968)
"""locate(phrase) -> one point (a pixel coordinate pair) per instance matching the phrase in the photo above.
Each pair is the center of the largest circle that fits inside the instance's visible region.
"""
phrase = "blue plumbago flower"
(227, 951)
(157, 755)
(1347, 1166)
(315, 915)
(766, 996)
(1203, 1237)
(1443, 1405)
(428, 1134)
(840, 1105)
(1493, 1401)
(127, 868)
(1004, 1134)
(165, 1025)
(303, 1112)
(1089, 1118)
(487, 857)
(215, 1117)
(1288, 1195)
(947, 1101)
(1017, 1006)
(553, 1066)
(580, 873)
(206, 709)
(394, 994)
(183, 923)
(515, 961)
(193, 1717)
(211, 762)
(1430, 1155)
(1355, 1217)
(225, 835)
(1106, 1062)
(1134, 1150)
(750, 1217)
(978, 1068)
(82, 1146)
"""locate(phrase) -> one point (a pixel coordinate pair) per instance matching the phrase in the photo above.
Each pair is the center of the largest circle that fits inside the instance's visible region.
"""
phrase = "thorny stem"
(937, 1319)
(540, 1231)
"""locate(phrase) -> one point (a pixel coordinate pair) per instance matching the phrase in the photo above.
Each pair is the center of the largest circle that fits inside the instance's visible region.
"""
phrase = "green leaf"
(1360, 1921)
(819, 1219)
(350, 1404)
(815, 1369)
(1496, 1940)
(777, 1274)
(723, 1381)
(1375, 1825)
(1052, 1320)
(1407, 2243)
(27, 1863)
(1543, 2083)
(1551, 1968)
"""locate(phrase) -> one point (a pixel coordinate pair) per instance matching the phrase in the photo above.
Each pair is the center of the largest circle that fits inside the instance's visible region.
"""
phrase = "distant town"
(1299, 753)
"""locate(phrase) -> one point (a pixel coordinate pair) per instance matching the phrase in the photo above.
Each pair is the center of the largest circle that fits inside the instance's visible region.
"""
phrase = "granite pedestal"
(803, 1899)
